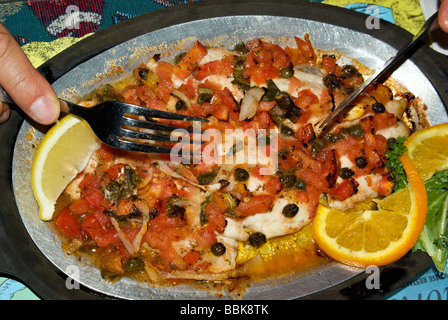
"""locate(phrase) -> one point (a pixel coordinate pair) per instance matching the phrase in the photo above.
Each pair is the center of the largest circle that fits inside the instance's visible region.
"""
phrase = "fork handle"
(65, 106)
(4, 97)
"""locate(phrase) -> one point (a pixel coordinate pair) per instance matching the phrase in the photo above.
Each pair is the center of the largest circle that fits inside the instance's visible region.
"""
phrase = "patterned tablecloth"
(40, 28)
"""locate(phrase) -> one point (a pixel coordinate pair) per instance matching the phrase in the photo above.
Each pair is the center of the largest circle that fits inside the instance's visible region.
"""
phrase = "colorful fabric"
(45, 28)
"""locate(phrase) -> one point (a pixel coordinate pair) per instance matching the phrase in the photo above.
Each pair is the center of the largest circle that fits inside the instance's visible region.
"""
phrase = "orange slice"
(427, 148)
(376, 232)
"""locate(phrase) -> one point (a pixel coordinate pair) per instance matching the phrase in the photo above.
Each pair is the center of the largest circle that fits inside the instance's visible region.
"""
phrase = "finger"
(26, 86)
(443, 15)
(4, 112)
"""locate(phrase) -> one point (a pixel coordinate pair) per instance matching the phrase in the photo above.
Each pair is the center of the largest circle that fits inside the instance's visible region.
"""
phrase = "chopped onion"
(167, 170)
(182, 97)
(134, 246)
(127, 244)
(250, 103)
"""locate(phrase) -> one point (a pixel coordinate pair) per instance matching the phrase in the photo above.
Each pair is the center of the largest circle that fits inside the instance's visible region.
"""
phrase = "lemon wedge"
(62, 154)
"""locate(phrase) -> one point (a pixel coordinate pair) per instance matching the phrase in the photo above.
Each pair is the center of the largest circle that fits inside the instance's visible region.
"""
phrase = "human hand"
(443, 15)
(26, 86)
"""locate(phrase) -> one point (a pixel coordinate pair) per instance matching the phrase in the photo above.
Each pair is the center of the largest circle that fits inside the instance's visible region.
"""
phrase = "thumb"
(443, 15)
(26, 86)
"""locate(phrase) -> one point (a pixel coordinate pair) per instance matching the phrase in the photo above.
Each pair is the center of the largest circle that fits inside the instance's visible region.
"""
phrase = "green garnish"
(396, 148)
(123, 187)
(434, 237)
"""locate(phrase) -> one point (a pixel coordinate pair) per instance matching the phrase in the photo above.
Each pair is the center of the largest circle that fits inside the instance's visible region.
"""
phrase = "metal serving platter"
(95, 61)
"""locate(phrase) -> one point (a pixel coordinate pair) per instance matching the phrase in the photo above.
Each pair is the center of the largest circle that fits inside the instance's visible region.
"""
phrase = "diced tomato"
(264, 61)
(256, 204)
(95, 198)
(188, 90)
(381, 93)
(305, 98)
(115, 171)
(205, 236)
(94, 229)
(345, 189)
(221, 104)
(163, 222)
(266, 105)
(164, 71)
(384, 120)
(144, 93)
(313, 196)
(215, 216)
(306, 48)
(305, 133)
(374, 158)
(329, 63)
(294, 84)
(68, 225)
(304, 53)
(191, 257)
(80, 206)
(107, 153)
(190, 61)
(330, 165)
(162, 232)
(223, 67)
(273, 186)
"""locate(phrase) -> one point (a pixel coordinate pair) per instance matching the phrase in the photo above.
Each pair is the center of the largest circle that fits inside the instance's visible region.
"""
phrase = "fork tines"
(154, 113)
(129, 133)
(154, 125)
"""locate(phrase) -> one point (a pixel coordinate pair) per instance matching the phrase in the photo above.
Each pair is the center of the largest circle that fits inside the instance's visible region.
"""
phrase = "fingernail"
(43, 110)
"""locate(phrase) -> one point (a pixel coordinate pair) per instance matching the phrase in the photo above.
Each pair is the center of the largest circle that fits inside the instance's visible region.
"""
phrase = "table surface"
(42, 37)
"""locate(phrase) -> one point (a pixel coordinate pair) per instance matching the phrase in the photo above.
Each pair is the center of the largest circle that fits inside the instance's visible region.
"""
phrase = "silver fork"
(113, 127)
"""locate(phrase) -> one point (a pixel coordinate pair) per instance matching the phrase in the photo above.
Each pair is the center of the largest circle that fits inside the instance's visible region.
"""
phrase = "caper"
(318, 145)
(241, 48)
(349, 71)
(206, 178)
(181, 105)
(283, 153)
(134, 264)
(288, 179)
(241, 174)
(356, 131)
(378, 107)
(286, 73)
(257, 239)
(175, 211)
(390, 142)
(331, 81)
(300, 184)
(218, 249)
(332, 138)
(204, 97)
(346, 173)
(143, 73)
(290, 210)
(361, 162)
(286, 131)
